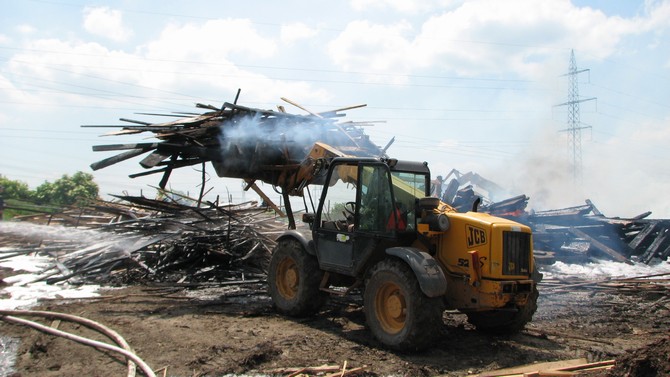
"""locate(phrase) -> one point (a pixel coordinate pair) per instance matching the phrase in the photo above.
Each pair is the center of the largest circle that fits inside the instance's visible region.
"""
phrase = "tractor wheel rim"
(391, 308)
(288, 278)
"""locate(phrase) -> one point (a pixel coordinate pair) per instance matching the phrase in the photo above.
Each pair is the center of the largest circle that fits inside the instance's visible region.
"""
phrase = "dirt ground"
(233, 330)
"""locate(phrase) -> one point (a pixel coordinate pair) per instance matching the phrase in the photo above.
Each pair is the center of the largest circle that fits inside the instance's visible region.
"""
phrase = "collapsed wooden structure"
(139, 238)
(575, 234)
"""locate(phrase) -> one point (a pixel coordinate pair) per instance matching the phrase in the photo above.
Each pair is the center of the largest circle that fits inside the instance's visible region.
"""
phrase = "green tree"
(14, 189)
(77, 189)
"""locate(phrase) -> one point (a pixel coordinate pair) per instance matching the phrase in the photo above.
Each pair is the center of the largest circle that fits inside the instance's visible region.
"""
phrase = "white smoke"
(252, 130)
(26, 287)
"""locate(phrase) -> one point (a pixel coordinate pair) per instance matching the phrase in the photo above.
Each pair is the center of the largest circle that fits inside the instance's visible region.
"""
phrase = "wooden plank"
(570, 335)
(171, 165)
(597, 364)
(252, 185)
(651, 251)
(665, 253)
(117, 158)
(642, 215)
(601, 246)
(135, 121)
(642, 236)
(533, 367)
(123, 132)
(118, 147)
(593, 208)
(343, 108)
(300, 107)
(154, 158)
(550, 369)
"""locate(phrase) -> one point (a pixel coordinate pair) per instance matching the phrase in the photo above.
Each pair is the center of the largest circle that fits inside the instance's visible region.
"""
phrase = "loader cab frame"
(366, 205)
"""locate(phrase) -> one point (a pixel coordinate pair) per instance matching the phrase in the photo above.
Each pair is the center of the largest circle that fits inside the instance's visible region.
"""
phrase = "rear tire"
(398, 313)
(293, 280)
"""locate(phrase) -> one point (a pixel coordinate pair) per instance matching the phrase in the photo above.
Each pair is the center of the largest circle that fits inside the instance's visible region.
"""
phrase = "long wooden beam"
(600, 246)
(251, 184)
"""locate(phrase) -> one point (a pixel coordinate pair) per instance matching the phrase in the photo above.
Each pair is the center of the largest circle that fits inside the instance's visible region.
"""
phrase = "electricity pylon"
(575, 127)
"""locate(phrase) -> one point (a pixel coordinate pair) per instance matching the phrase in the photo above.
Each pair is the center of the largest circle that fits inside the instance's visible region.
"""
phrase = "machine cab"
(366, 204)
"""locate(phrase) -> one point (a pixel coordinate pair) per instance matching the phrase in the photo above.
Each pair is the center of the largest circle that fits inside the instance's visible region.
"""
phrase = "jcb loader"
(377, 231)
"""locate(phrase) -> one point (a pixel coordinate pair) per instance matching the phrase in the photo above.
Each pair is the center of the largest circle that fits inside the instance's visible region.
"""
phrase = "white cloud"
(55, 71)
(192, 59)
(106, 22)
(11, 93)
(659, 14)
(526, 33)
(7, 91)
(367, 47)
(26, 29)
(403, 6)
(291, 33)
(210, 41)
(204, 50)
(489, 37)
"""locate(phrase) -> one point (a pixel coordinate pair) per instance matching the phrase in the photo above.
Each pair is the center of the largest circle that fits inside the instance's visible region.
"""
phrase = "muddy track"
(218, 331)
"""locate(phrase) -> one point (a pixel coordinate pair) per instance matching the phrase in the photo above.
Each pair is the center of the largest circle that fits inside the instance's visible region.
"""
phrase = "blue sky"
(467, 85)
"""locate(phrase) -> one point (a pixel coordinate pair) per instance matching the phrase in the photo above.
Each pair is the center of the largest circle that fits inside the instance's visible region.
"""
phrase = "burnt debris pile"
(142, 239)
(240, 142)
(574, 234)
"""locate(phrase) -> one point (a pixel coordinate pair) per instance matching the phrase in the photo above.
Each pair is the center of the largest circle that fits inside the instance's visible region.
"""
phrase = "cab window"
(375, 199)
(407, 188)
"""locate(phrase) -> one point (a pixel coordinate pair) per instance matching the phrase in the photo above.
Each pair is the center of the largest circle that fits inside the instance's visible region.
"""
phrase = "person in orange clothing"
(397, 219)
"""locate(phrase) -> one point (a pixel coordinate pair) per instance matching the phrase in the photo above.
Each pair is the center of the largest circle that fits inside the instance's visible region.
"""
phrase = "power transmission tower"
(575, 127)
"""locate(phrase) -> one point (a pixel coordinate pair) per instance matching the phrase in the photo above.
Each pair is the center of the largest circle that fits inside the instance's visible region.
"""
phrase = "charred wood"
(160, 241)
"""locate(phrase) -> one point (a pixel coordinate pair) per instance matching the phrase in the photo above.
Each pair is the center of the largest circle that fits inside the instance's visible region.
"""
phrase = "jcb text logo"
(475, 236)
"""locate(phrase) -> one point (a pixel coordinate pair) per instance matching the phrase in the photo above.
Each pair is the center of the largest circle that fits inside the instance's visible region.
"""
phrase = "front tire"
(293, 280)
(398, 313)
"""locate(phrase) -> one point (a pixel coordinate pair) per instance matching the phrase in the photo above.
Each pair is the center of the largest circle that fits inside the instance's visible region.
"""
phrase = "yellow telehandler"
(376, 228)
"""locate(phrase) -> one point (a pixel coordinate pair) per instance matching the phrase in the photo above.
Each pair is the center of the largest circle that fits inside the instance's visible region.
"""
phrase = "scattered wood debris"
(573, 234)
(573, 367)
(656, 284)
(155, 240)
(323, 370)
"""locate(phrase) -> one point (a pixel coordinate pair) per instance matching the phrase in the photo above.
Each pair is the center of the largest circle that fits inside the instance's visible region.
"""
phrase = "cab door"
(353, 215)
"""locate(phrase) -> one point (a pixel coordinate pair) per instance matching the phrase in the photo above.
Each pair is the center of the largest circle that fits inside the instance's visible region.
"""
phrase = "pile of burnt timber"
(574, 234)
(147, 239)
(240, 142)
(578, 233)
